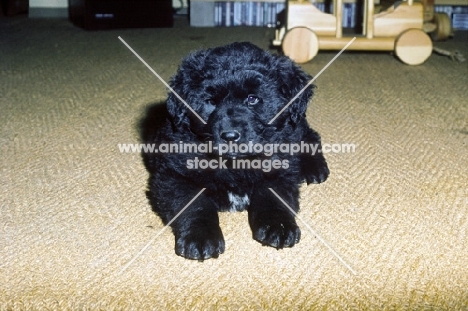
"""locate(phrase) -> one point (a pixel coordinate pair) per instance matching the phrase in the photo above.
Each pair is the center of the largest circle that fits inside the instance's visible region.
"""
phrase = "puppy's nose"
(230, 135)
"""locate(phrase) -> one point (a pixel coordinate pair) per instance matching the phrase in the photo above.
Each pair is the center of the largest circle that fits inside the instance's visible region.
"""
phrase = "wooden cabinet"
(106, 14)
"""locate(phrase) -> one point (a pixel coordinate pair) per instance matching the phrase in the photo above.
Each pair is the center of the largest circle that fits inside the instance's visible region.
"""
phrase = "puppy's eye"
(253, 100)
(211, 101)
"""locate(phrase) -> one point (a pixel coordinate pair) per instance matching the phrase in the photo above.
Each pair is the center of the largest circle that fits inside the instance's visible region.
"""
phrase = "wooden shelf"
(451, 2)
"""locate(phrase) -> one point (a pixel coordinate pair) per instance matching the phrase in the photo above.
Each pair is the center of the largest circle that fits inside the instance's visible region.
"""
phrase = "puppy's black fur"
(236, 89)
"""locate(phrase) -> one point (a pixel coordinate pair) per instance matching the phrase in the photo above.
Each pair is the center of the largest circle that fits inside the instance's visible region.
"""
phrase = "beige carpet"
(74, 211)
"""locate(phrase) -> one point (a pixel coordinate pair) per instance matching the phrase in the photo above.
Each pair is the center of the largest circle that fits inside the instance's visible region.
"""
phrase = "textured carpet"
(74, 211)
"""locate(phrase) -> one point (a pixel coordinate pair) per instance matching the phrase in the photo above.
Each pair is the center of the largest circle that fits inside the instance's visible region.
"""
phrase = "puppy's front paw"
(317, 174)
(276, 232)
(200, 243)
(314, 169)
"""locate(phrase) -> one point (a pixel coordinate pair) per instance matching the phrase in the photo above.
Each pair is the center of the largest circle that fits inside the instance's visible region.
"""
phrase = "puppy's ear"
(293, 80)
(186, 81)
(177, 111)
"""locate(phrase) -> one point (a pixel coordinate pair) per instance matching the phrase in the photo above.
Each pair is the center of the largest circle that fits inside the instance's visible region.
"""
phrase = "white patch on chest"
(238, 203)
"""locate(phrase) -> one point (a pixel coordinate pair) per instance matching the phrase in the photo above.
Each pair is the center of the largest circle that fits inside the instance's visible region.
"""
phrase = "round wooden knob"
(443, 29)
(413, 47)
(300, 44)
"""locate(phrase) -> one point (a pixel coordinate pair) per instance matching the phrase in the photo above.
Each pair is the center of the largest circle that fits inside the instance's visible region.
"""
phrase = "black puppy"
(233, 93)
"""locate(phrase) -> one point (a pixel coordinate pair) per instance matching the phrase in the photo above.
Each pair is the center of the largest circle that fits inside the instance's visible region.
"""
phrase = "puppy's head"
(237, 90)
